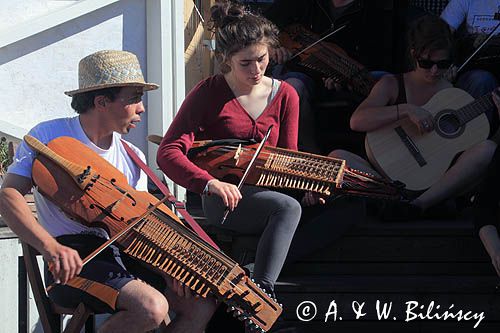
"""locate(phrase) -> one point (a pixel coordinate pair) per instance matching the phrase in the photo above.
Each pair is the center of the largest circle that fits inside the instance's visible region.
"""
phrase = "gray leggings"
(273, 215)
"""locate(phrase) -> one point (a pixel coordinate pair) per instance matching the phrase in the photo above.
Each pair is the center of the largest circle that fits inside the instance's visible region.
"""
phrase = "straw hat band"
(105, 69)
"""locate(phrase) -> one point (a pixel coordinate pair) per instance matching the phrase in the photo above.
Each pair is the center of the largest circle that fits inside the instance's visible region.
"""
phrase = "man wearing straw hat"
(109, 103)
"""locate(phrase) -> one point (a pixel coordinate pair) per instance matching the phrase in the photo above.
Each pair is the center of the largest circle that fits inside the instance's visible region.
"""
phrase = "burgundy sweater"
(211, 112)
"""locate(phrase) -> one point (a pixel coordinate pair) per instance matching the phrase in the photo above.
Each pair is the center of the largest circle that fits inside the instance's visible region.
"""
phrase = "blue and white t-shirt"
(478, 14)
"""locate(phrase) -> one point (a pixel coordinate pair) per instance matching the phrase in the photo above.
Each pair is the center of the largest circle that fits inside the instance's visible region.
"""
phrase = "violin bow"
(318, 41)
(478, 48)
(249, 167)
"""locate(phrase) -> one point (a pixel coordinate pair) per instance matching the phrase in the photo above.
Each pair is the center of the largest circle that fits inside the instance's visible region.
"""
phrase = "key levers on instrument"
(94, 193)
(401, 153)
(288, 169)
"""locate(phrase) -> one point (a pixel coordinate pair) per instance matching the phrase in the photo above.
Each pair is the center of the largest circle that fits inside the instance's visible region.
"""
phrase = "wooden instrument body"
(390, 155)
(161, 242)
(326, 59)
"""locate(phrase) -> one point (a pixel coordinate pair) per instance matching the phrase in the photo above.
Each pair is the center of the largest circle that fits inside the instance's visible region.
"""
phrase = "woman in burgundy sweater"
(241, 103)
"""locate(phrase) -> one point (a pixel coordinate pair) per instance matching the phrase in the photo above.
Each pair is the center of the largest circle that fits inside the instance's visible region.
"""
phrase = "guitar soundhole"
(448, 125)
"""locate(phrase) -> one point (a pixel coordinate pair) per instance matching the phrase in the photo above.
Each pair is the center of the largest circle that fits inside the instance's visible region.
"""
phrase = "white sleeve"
(455, 13)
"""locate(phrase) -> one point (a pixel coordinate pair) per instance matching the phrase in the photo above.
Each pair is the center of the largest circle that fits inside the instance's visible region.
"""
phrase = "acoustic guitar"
(401, 153)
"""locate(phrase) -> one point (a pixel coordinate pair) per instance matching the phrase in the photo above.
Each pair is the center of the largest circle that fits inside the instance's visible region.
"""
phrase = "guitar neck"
(474, 109)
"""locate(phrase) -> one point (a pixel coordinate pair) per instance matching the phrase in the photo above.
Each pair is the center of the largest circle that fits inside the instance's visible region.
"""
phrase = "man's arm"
(66, 262)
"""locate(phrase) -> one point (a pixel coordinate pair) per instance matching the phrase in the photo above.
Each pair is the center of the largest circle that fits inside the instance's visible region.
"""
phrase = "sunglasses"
(427, 64)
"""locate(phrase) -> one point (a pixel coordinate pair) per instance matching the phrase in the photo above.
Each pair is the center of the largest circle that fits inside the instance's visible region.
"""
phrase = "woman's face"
(249, 64)
(433, 64)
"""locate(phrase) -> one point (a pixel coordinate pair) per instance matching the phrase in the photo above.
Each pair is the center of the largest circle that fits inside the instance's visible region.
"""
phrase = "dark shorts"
(111, 267)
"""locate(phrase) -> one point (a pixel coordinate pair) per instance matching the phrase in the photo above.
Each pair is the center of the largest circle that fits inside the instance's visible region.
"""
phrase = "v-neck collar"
(238, 104)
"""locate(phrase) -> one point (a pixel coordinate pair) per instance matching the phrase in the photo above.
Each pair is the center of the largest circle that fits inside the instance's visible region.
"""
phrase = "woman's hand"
(421, 118)
(229, 193)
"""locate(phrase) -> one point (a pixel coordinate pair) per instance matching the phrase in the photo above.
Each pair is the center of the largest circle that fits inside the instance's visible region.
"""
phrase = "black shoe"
(392, 211)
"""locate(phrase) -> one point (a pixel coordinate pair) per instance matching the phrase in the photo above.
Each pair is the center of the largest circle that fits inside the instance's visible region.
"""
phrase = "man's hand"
(64, 262)
(228, 192)
(312, 198)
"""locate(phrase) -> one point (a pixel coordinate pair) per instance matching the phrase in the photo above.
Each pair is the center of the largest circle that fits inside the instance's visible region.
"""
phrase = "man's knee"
(477, 82)
(155, 309)
(145, 303)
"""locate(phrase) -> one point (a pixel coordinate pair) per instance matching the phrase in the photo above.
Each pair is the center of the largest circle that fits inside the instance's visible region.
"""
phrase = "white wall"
(37, 70)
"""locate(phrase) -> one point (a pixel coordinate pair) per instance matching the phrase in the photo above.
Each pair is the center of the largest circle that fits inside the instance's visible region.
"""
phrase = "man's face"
(125, 111)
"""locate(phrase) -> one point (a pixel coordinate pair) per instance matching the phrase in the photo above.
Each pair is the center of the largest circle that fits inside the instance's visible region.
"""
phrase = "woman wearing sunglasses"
(395, 97)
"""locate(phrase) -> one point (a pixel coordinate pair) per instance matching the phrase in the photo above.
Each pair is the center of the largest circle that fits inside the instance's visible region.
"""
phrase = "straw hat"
(105, 69)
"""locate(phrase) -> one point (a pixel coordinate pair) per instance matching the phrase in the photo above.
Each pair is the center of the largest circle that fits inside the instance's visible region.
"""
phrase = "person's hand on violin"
(229, 193)
(331, 84)
(280, 55)
(420, 117)
(312, 198)
(64, 262)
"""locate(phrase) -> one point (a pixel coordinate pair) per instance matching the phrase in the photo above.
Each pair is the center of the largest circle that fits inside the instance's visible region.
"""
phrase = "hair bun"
(225, 12)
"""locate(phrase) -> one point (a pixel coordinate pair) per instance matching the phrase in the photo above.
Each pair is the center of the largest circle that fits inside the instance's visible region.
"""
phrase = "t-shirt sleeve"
(455, 12)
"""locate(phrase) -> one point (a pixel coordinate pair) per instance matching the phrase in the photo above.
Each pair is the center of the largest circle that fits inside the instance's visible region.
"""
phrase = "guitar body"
(401, 153)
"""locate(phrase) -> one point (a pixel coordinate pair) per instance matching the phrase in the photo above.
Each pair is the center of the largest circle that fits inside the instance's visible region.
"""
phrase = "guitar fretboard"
(474, 109)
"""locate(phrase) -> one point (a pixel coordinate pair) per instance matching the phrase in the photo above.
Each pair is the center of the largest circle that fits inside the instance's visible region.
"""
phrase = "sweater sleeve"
(171, 156)
(487, 199)
(289, 122)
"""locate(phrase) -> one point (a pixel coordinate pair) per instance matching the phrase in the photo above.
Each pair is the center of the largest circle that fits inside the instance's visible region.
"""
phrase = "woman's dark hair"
(83, 102)
(236, 28)
(427, 34)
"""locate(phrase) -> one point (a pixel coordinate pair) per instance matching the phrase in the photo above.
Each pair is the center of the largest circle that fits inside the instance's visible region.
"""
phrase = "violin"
(96, 194)
(288, 169)
(326, 59)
